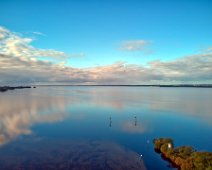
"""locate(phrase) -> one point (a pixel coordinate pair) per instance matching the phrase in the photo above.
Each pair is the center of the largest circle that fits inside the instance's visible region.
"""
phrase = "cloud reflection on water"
(130, 127)
(192, 102)
(20, 112)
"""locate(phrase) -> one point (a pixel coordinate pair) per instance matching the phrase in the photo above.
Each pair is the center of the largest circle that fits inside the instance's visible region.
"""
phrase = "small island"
(6, 88)
(184, 157)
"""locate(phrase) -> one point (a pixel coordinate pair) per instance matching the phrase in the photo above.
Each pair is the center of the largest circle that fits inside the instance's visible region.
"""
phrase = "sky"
(105, 42)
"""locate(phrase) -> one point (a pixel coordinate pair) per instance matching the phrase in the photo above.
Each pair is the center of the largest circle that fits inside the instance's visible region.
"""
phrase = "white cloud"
(38, 33)
(18, 64)
(209, 49)
(78, 55)
(3, 33)
(134, 45)
(14, 45)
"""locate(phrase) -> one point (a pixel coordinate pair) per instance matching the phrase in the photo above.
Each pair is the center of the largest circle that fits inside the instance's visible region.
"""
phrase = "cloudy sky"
(105, 42)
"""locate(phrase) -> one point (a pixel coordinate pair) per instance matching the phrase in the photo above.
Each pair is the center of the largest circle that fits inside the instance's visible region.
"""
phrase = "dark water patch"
(68, 154)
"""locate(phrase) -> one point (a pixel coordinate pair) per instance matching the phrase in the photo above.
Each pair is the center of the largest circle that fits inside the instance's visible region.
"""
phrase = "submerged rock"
(184, 157)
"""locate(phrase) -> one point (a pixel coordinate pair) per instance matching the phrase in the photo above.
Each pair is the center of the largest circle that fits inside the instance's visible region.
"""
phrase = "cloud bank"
(19, 64)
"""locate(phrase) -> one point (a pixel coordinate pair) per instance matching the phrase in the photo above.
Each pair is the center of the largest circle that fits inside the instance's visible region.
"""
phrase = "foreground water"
(100, 127)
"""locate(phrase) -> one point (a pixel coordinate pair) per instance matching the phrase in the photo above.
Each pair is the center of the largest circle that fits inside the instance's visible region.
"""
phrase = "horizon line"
(141, 85)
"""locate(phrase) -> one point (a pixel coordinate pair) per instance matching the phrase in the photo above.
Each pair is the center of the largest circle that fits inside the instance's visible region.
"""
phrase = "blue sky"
(94, 32)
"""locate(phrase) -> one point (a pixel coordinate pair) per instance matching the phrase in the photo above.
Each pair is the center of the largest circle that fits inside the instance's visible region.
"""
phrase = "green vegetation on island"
(184, 157)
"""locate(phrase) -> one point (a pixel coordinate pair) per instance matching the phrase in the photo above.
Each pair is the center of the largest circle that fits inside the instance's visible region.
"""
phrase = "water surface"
(100, 127)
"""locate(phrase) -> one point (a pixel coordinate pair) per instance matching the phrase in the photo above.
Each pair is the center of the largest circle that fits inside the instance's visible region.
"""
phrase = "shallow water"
(100, 127)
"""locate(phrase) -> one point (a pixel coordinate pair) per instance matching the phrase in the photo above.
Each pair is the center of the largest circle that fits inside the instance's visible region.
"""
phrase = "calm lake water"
(100, 127)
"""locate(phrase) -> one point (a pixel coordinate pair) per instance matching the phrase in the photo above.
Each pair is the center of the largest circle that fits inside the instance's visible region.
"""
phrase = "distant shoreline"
(181, 85)
(6, 88)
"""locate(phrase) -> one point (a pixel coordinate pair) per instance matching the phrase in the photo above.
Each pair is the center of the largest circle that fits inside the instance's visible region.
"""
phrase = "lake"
(100, 127)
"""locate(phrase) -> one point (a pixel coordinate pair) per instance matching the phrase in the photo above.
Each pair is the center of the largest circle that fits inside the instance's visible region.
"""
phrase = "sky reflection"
(66, 154)
(175, 100)
(114, 117)
(19, 112)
